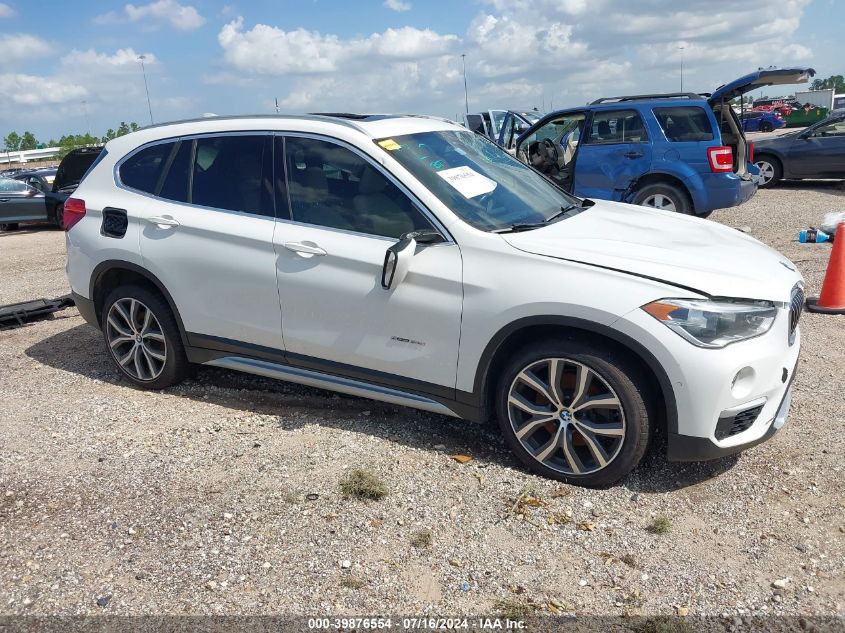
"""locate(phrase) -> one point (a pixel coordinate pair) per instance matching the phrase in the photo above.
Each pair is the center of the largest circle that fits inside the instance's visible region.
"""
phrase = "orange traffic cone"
(832, 298)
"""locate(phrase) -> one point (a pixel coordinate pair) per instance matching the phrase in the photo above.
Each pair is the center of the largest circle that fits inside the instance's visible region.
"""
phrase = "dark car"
(20, 203)
(52, 188)
(816, 152)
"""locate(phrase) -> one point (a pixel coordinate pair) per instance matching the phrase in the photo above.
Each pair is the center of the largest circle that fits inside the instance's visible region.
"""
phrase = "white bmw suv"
(409, 260)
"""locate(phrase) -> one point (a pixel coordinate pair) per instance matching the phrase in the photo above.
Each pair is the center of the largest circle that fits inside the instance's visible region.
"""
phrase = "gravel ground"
(223, 496)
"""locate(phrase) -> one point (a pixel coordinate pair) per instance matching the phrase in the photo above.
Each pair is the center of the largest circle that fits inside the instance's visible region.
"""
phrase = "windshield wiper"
(527, 226)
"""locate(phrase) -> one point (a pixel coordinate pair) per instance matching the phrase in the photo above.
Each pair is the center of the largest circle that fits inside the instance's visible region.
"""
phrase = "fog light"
(742, 382)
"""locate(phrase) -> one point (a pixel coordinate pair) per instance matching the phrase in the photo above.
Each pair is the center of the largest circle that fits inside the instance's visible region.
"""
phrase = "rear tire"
(765, 127)
(143, 338)
(9, 226)
(770, 171)
(572, 437)
(59, 216)
(663, 196)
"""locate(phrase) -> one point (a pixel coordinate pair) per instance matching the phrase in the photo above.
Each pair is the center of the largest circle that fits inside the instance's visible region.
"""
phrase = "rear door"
(20, 203)
(615, 151)
(820, 151)
(206, 207)
(761, 78)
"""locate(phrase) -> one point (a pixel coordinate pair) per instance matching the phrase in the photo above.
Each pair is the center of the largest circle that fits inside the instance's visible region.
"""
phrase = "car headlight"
(714, 323)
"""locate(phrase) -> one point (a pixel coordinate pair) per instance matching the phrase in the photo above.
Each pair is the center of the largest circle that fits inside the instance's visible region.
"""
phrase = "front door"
(211, 245)
(821, 153)
(345, 211)
(615, 152)
(551, 146)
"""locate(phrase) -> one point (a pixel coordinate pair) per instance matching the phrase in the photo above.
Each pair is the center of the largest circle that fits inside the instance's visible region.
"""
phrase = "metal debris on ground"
(17, 314)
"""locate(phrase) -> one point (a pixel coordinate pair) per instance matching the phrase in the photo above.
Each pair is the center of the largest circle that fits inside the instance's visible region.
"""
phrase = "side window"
(684, 123)
(175, 185)
(833, 128)
(143, 169)
(234, 173)
(334, 187)
(35, 183)
(617, 126)
(7, 185)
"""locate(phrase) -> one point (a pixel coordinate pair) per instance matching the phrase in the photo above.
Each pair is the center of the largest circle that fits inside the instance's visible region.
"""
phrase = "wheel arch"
(518, 333)
(657, 178)
(113, 273)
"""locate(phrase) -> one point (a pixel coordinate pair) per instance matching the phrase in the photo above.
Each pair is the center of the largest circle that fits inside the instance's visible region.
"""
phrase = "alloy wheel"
(566, 416)
(767, 171)
(136, 339)
(659, 201)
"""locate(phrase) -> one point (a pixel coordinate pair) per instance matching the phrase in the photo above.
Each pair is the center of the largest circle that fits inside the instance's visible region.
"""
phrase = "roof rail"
(665, 95)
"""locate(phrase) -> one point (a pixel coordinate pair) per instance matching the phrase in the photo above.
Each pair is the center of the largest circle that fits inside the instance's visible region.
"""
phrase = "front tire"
(142, 337)
(770, 171)
(9, 226)
(575, 411)
(663, 196)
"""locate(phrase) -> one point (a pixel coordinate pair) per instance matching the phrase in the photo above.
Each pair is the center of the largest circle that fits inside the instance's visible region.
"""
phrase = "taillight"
(74, 211)
(721, 159)
(751, 152)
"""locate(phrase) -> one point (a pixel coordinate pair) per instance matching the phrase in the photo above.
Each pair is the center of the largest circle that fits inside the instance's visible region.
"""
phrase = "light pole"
(466, 94)
(141, 59)
(87, 121)
(681, 48)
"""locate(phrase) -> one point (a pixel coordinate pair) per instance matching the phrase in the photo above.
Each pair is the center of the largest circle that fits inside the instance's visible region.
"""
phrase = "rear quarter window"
(143, 169)
(684, 123)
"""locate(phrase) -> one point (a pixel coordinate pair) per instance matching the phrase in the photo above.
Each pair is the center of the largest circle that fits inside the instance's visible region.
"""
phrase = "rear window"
(686, 123)
(142, 170)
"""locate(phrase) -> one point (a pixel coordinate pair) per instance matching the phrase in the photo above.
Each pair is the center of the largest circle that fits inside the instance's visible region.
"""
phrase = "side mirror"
(397, 261)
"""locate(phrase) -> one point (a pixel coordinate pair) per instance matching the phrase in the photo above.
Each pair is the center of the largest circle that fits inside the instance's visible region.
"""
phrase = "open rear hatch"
(731, 129)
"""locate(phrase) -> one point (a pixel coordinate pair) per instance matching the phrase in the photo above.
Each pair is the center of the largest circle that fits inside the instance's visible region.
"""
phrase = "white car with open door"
(409, 260)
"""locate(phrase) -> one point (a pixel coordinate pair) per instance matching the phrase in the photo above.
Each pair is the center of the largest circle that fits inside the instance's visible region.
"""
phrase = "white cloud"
(519, 53)
(169, 12)
(270, 50)
(21, 46)
(397, 5)
(31, 90)
(6, 11)
(123, 58)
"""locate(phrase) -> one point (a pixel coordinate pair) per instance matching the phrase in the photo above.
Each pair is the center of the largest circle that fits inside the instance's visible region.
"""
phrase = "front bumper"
(686, 448)
(709, 385)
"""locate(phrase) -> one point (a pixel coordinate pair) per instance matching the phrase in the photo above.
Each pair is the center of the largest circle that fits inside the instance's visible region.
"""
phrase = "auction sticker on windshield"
(467, 181)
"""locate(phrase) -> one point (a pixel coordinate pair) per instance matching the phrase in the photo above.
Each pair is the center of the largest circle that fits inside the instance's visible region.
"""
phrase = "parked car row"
(38, 195)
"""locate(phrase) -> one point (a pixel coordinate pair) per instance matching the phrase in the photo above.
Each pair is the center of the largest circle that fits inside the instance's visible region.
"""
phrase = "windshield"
(480, 182)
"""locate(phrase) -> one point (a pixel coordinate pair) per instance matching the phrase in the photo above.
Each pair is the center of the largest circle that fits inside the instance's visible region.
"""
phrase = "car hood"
(760, 78)
(684, 251)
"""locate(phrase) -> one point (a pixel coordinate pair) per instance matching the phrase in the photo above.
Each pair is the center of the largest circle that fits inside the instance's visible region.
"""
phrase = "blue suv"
(683, 152)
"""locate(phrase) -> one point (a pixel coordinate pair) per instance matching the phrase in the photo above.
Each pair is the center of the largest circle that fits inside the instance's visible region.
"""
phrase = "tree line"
(14, 142)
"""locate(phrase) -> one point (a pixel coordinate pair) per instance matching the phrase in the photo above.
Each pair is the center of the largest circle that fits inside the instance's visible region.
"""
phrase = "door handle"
(633, 155)
(303, 249)
(163, 222)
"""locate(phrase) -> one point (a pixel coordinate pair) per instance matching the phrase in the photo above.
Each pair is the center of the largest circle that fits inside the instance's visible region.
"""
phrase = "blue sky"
(392, 55)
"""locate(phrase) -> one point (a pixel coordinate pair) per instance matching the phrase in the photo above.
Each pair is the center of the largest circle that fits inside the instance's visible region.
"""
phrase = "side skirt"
(332, 383)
